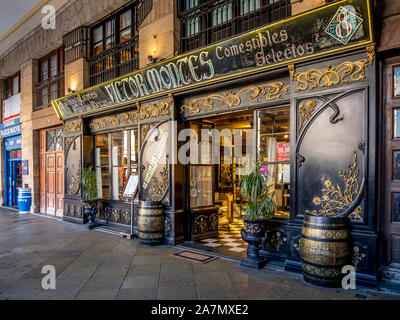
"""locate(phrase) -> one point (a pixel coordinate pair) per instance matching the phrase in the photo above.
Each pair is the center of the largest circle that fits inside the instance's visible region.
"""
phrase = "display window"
(116, 158)
(273, 140)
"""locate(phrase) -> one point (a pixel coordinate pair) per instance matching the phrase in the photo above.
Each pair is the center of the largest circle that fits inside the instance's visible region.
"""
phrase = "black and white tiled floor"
(228, 243)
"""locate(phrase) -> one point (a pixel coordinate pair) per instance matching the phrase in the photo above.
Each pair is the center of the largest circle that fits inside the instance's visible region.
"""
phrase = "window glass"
(273, 141)
(54, 140)
(222, 14)
(102, 166)
(45, 70)
(15, 85)
(192, 27)
(247, 6)
(53, 66)
(134, 152)
(123, 154)
(125, 26)
(45, 96)
(98, 40)
(119, 162)
(201, 186)
(191, 4)
(396, 123)
(396, 165)
(110, 31)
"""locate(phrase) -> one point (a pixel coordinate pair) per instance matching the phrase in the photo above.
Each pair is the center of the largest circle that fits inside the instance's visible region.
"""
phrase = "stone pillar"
(304, 5)
(30, 140)
(76, 75)
(2, 176)
(157, 33)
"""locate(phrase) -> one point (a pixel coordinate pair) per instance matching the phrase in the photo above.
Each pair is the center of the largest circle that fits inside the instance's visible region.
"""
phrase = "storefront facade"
(301, 92)
(10, 133)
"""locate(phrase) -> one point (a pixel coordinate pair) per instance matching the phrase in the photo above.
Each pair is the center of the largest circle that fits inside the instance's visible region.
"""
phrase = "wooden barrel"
(151, 225)
(324, 249)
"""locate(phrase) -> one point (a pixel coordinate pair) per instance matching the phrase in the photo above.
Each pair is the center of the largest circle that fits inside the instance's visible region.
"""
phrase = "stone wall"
(40, 42)
(157, 36)
(387, 24)
(76, 75)
(30, 141)
(304, 5)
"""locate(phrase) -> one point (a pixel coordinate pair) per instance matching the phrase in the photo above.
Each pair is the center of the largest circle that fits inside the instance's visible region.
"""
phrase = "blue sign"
(13, 143)
(10, 131)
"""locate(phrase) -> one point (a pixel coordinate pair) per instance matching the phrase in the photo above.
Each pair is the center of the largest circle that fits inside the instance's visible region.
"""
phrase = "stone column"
(76, 75)
(2, 176)
(157, 33)
(301, 6)
(30, 140)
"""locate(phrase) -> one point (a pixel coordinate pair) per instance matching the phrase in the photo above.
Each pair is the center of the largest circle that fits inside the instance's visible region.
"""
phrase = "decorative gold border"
(269, 91)
(325, 53)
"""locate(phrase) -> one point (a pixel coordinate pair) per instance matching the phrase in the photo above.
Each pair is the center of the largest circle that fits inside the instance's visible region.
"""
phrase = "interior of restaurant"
(215, 181)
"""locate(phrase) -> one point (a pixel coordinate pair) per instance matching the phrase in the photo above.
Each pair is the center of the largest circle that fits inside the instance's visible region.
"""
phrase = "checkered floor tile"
(229, 242)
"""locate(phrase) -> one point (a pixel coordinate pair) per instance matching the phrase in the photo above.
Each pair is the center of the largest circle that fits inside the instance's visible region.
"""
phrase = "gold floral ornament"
(335, 201)
(269, 91)
(346, 72)
(159, 187)
(306, 111)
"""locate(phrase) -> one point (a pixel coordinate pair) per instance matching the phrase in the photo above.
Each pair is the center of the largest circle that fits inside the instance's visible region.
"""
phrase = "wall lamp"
(70, 90)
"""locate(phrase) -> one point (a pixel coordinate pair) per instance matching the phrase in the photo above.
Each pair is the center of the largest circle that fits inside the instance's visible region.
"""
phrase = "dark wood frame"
(10, 83)
(116, 34)
(60, 63)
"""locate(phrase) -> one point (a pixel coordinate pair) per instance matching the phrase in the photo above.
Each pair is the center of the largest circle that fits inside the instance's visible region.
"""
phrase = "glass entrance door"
(14, 177)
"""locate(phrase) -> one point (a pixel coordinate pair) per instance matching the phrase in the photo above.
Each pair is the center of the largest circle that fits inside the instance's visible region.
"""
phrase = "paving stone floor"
(96, 265)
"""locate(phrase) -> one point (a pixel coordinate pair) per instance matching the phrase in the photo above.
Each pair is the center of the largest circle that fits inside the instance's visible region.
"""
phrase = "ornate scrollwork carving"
(270, 91)
(114, 120)
(145, 131)
(306, 111)
(76, 180)
(73, 126)
(278, 239)
(159, 187)
(371, 54)
(156, 110)
(200, 224)
(333, 200)
(292, 71)
(344, 73)
(214, 222)
(359, 255)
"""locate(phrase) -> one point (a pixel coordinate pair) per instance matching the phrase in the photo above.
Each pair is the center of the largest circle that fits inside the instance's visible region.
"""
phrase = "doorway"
(233, 144)
(13, 177)
(51, 157)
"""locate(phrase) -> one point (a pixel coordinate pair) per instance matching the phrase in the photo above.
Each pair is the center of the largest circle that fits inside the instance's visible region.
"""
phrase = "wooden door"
(50, 183)
(59, 184)
(390, 218)
(51, 173)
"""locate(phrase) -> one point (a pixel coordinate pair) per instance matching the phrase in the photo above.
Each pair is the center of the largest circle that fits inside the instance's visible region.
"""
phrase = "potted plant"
(89, 194)
(260, 205)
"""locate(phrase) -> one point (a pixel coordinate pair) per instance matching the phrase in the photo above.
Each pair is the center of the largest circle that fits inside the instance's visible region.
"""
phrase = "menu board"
(131, 187)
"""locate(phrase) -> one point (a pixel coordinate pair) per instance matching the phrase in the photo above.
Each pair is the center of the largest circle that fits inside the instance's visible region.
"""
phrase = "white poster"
(12, 107)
